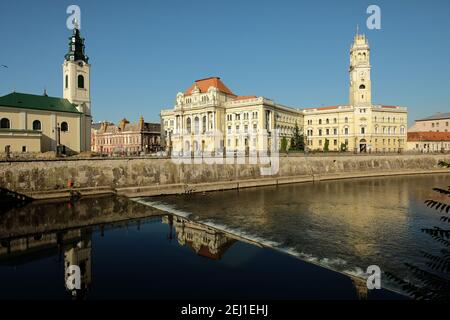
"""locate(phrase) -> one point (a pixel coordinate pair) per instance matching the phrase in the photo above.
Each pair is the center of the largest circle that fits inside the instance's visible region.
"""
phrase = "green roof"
(36, 102)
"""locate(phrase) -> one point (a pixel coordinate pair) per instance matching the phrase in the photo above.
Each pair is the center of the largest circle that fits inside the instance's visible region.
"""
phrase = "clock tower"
(360, 83)
(76, 84)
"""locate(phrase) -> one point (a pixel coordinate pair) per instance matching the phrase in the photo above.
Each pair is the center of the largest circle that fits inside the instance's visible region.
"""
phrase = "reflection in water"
(120, 245)
(205, 241)
(344, 225)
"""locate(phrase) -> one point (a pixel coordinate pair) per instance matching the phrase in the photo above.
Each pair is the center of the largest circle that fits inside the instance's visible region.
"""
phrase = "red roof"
(244, 97)
(428, 136)
(323, 108)
(204, 84)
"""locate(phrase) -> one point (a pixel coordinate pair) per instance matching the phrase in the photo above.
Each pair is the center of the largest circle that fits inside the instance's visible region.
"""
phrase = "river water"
(344, 225)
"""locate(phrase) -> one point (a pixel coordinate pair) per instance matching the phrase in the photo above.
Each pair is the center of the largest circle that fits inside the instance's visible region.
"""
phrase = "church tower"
(76, 83)
(360, 83)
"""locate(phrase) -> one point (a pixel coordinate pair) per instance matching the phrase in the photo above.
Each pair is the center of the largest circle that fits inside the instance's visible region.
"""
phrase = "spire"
(76, 46)
(357, 29)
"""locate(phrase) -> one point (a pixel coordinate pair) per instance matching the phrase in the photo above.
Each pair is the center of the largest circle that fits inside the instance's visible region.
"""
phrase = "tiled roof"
(204, 84)
(37, 102)
(428, 136)
(437, 116)
(244, 97)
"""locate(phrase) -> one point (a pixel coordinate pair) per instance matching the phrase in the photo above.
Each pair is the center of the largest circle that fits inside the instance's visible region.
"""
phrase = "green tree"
(326, 145)
(343, 147)
(298, 139)
(284, 144)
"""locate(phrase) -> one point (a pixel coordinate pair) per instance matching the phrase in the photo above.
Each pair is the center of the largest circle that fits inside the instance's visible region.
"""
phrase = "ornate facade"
(208, 107)
(360, 126)
(209, 117)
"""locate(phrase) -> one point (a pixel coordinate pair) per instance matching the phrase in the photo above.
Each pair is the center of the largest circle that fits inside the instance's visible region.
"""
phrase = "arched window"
(67, 81)
(204, 124)
(196, 125)
(327, 121)
(346, 120)
(362, 87)
(64, 127)
(80, 82)
(320, 121)
(188, 125)
(5, 124)
(37, 125)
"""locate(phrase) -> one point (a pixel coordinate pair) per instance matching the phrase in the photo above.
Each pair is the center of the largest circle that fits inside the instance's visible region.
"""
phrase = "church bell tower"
(76, 84)
(360, 83)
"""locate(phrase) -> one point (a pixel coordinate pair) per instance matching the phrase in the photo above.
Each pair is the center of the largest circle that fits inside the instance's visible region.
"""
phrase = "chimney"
(141, 123)
(123, 123)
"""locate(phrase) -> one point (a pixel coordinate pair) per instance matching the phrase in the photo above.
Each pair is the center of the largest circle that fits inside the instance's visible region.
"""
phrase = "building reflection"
(203, 240)
(73, 247)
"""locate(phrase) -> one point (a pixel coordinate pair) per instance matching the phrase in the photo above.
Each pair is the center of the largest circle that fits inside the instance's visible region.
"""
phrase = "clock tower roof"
(76, 47)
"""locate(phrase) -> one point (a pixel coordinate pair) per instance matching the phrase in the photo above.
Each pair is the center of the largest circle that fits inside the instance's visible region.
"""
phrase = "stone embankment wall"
(47, 176)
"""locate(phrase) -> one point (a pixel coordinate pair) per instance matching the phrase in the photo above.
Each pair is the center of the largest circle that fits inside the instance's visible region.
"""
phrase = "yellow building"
(39, 123)
(359, 126)
(209, 118)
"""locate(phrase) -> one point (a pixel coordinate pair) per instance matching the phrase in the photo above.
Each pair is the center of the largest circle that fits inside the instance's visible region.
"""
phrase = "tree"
(343, 147)
(432, 282)
(284, 143)
(326, 145)
(298, 139)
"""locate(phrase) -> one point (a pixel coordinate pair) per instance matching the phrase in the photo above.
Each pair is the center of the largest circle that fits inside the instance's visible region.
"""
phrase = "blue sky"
(295, 52)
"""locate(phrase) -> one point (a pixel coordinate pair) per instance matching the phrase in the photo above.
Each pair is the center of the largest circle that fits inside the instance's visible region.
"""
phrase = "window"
(67, 81)
(320, 121)
(64, 127)
(346, 120)
(362, 87)
(363, 130)
(37, 125)
(5, 124)
(80, 82)
(320, 132)
(204, 124)
(345, 130)
(328, 121)
(188, 125)
(197, 125)
(24, 148)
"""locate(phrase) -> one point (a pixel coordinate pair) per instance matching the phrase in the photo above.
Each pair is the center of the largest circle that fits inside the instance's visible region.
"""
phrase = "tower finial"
(76, 25)
(357, 29)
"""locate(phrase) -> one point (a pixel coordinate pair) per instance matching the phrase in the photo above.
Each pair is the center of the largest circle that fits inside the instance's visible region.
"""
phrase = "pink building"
(440, 122)
(126, 138)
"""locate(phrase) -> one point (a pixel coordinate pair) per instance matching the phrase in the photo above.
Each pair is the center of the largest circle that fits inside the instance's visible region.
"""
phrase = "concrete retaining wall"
(105, 174)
